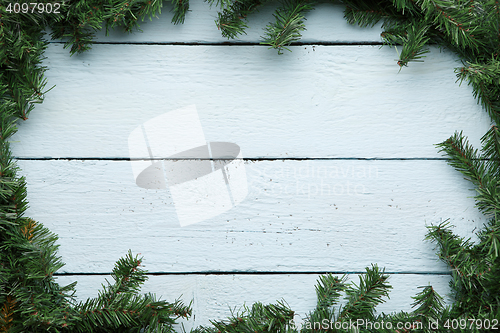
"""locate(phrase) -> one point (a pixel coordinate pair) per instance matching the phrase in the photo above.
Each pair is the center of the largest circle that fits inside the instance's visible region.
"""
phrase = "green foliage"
(363, 298)
(328, 290)
(259, 318)
(476, 266)
(231, 21)
(119, 306)
(181, 7)
(32, 301)
(413, 38)
(30, 298)
(429, 306)
(289, 23)
(484, 77)
(80, 19)
(369, 13)
(481, 170)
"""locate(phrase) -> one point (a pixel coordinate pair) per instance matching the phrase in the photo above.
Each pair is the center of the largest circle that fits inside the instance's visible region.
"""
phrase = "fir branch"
(491, 242)
(27, 255)
(181, 7)
(484, 78)
(127, 13)
(406, 7)
(491, 152)
(451, 247)
(408, 322)
(487, 73)
(31, 300)
(220, 3)
(367, 14)
(21, 72)
(463, 158)
(80, 19)
(40, 257)
(412, 35)
(492, 23)
(328, 291)
(127, 275)
(466, 160)
(28, 229)
(429, 305)
(7, 120)
(363, 298)
(364, 18)
(119, 306)
(7, 314)
(413, 43)
(77, 24)
(472, 267)
(461, 24)
(288, 26)
(8, 168)
(230, 20)
(276, 318)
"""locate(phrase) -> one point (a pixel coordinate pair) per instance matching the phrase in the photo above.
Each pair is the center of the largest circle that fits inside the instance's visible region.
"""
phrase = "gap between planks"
(243, 159)
(236, 43)
(251, 273)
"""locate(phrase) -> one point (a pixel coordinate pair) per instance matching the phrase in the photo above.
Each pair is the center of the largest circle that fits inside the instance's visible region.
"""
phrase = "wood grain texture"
(324, 24)
(298, 216)
(324, 104)
(323, 101)
(214, 296)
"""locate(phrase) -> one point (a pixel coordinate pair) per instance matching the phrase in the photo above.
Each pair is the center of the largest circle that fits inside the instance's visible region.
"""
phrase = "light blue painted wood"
(298, 216)
(329, 101)
(214, 296)
(316, 102)
(324, 24)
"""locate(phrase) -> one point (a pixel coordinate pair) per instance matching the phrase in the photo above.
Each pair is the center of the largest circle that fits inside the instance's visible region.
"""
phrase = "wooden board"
(325, 24)
(298, 216)
(323, 101)
(338, 148)
(214, 296)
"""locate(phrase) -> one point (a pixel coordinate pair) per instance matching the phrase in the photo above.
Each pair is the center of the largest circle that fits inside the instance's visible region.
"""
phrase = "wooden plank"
(298, 216)
(324, 24)
(214, 295)
(328, 101)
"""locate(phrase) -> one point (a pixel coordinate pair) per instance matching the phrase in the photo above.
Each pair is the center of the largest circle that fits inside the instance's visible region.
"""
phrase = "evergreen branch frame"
(31, 301)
